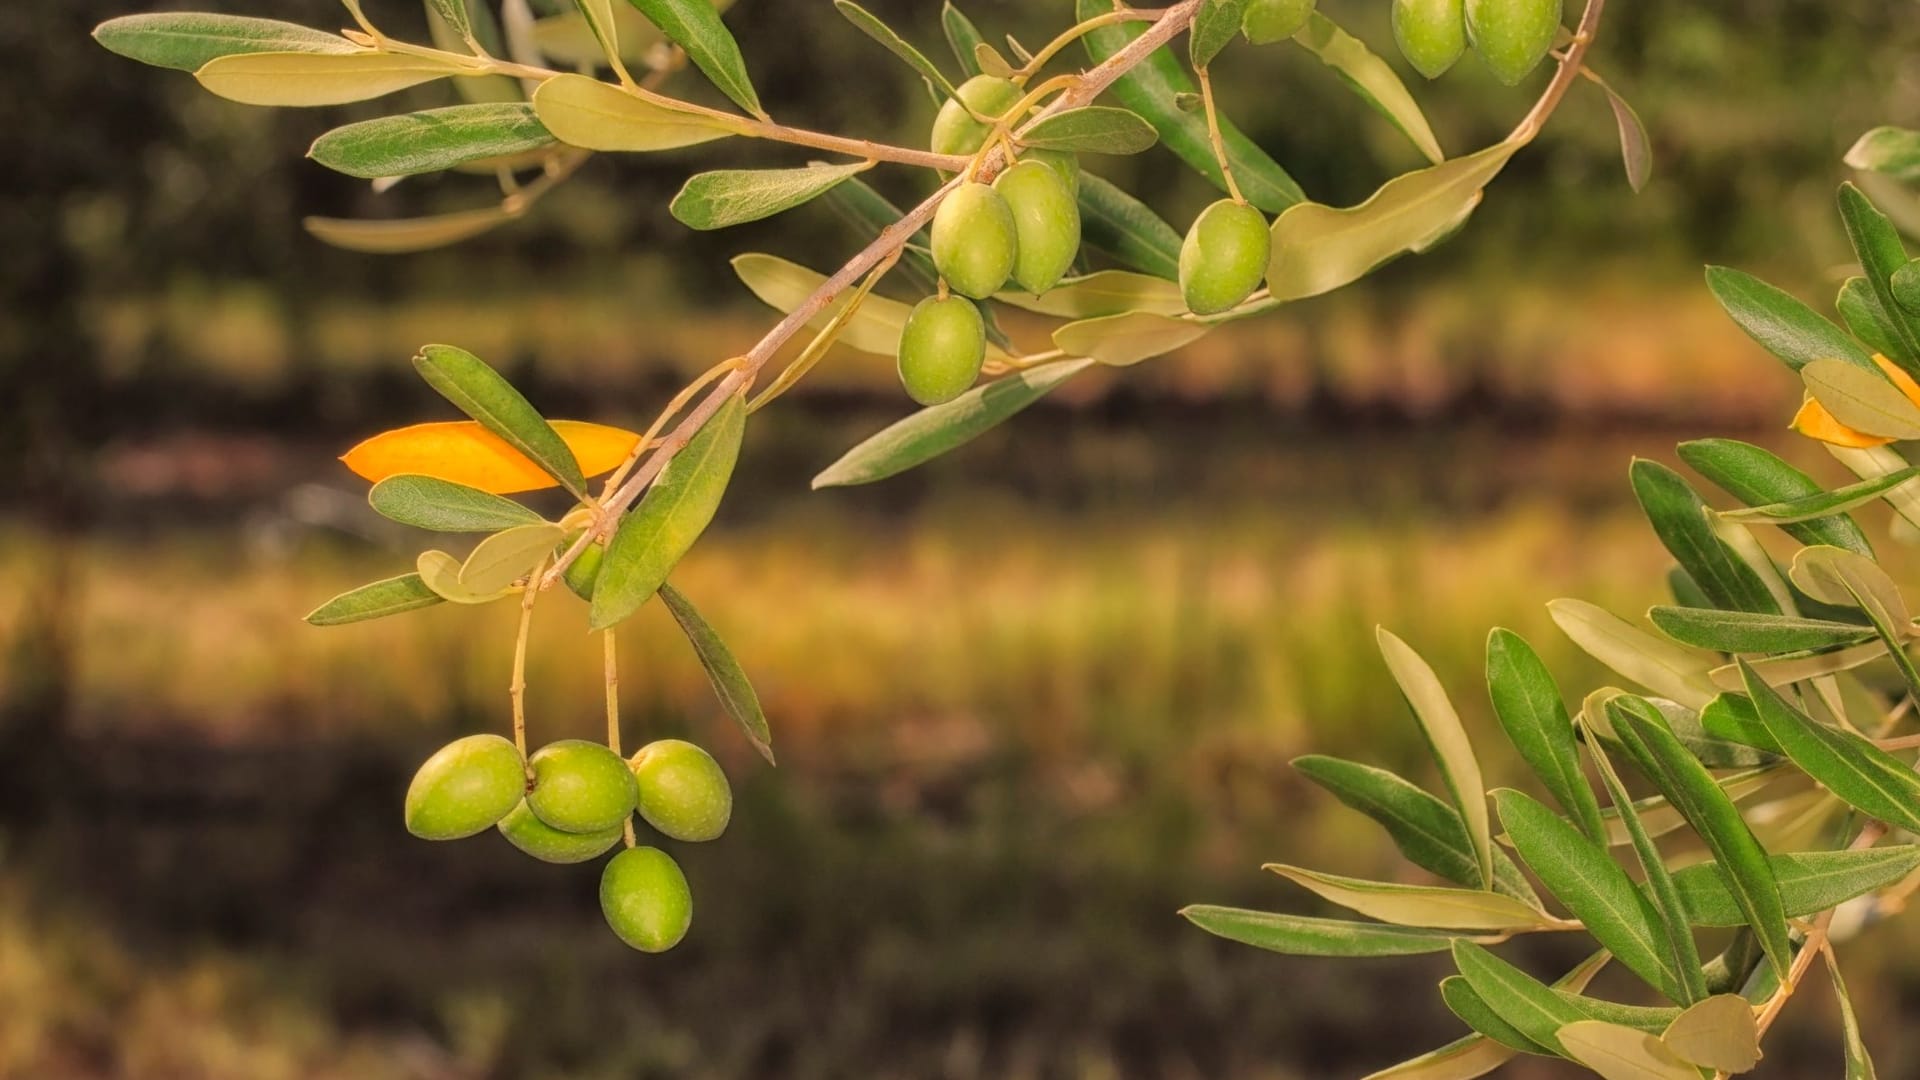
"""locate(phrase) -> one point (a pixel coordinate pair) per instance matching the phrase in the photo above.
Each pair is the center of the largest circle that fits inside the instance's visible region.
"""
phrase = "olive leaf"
(1825, 504)
(1670, 670)
(729, 679)
(1780, 322)
(1124, 229)
(400, 236)
(870, 24)
(440, 572)
(188, 40)
(1718, 1033)
(1533, 1009)
(1372, 78)
(654, 536)
(1301, 935)
(695, 26)
(1636, 149)
(1127, 338)
(454, 13)
(1859, 1065)
(430, 141)
(1447, 738)
(481, 393)
(1092, 129)
(1149, 89)
(716, 200)
(321, 78)
(1881, 253)
(1435, 906)
(933, 431)
(1890, 150)
(1860, 309)
(507, 556)
(962, 36)
(1476, 1055)
(376, 600)
(1740, 631)
(870, 213)
(1461, 999)
(1618, 1052)
(1875, 461)
(1214, 26)
(598, 15)
(1732, 717)
(1102, 293)
(585, 112)
(1810, 882)
(1791, 668)
(1841, 577)
(1864, 776)
(464, 452)
(427, 502)
(784, 286)
(1317, 248)
(1527, 703)
(1863, 400)
(1679, 519)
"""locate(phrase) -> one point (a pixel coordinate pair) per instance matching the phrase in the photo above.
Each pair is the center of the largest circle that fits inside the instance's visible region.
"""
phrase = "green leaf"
(428, 502)
(376, 600)
(1810, 882)
(1618, 1052)
(430, 141)
(1837, 576)
(1527, 702)
(1092, 129)
(1759, 478)
(1872, 461)
(1881, 253)
(1826, 503)
(1372, 78)
(321, 78)
(1418, 905)
(1732, 717)
(1102, 293)
(1447, 738)
(1718, 1033)
(1669, 670)
(1742, 861)
(1214, 25)
(1126, 230)
(1780, 323)
(1524, 1002)
(963, 36)
(1866, 401)
(927, 434)
(1317, 249)
(481, 393)
(598, 15)
(870, 213)
(1740, 631)
(715, 200)
(507, 556)
(454, 14)
(1861, 311)
(1150, 89)
(440, 572)
(1473, 1010)
(1859, 1065)
(1431, 834)
(1299, 935)
(187, 40)
(583, 111)
(1679, 518)
(1636, 150)
(1587, 880)
(1890, 150)
(1127, 338)
(871, 25)
(655, 535)
(695, 26)
(1864, 776)
(729, 679)
(1681, 948)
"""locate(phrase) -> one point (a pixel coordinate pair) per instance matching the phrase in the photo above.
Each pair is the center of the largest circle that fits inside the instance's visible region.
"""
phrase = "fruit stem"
(1075, 33)
(517, 689)
(1213, 133)
(610, 655)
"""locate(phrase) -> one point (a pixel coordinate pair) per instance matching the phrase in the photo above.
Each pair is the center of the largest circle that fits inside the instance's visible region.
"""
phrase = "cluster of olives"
(572, 801)
(1511, 36)
(1025, 228)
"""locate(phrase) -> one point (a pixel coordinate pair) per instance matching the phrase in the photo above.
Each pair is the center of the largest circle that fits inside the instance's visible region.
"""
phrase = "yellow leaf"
(1815, 422)
(300, 78)
(463, 452)
(593, 115)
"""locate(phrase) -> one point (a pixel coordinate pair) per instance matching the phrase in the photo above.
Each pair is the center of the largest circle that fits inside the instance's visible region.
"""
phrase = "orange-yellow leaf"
(1815, 422)
(463, 452)
(1900, 378)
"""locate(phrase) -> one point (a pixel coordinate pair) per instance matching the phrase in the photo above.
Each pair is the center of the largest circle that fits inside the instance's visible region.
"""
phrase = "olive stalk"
(517, 689)
(1213, 134)
(610, 660)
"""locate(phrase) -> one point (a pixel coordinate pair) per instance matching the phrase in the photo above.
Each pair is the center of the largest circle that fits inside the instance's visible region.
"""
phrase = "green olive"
(1268, 21)
(955, 131)
(583, 571)
(1512, 36)
(465, 787)
(1906, 287)
(941, 349)
(683, 793)
(645, 898)
(1064, 162)
(580, 786)
(1224, 257)
(974, 241)
(1432, 34)
(548, 844)
(1046, 223)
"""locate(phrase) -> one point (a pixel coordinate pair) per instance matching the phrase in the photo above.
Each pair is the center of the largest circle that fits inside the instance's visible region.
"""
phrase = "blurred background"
(1028, 700)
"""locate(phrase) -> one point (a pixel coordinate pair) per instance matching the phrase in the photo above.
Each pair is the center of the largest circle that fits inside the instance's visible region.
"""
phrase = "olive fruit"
(1512, 36)
(1224, 257)
(645, 898)
(1064, 162)
(1046, 223)
(1267, 21)
(580, 786)
(548, 844)
(465, 787)
(1432, 34)
(955, 131)
(941, 349)
(683, 793)
(974, 242)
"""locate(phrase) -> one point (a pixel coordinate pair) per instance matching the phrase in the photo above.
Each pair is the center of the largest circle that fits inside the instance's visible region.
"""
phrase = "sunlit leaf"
(600, 23)
(315, 78)
(1475, 1055)
(1102, 293)
(463, 452)
(729, 679)
(480, 392)
(430, 141)
(715, 200)
(1810, 882)
(1372, 78)
(440, 572)
(1760, 478)
(1617, 1052)
(507, 556)
(1826, 503)
(1862, 399)
(1093, 129)
(1299, 935)
(427, 502)
(373, 601)
(1670, 670)
(1446, 737)
(695, 26)
(1718, 1033)
(594, 115)
(1417, 905)
(403, 235)
(655, 535)
(870, 24)
(1120, 340)
(1781, 323)
(187, 40)
(935, 430)
(1890, 150)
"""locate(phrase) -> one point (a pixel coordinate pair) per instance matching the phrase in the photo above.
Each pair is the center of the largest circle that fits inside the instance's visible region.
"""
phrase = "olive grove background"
(1029, 699)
